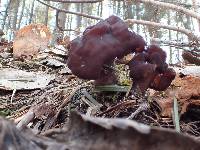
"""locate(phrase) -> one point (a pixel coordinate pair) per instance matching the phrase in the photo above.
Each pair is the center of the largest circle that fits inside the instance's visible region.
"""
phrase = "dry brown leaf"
(189, 86)
(30, 39)
(187, 91)
(166, 106)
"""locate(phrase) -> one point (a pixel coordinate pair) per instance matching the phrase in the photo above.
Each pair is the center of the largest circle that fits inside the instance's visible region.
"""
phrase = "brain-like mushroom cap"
(100, 45)
(162, 81)
(141, 72)
(157, 55)
(149, 70)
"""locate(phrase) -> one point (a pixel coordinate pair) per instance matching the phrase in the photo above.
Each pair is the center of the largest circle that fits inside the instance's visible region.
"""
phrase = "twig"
(151, 118)
(13, 94)
(118, 106)
(171, 6)
(70, 12)
(25, 120)
(68, 99)
(143, 106)
(91, 101)
(189, 33)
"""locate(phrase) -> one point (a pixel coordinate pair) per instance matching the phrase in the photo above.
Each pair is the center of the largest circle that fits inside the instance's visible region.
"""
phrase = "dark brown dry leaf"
(195, 102)
(50, 121)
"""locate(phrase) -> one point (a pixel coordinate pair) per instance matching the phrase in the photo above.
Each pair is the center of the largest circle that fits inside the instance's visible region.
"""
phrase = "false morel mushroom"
(91, 54)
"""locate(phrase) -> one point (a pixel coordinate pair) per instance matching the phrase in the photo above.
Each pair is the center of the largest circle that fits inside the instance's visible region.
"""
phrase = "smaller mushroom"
(149, 70)
(162, 81)
(157, 55)
(142, 73)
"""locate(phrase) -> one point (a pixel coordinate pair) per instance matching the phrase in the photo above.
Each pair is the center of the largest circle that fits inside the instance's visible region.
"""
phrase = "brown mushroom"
(99, 46)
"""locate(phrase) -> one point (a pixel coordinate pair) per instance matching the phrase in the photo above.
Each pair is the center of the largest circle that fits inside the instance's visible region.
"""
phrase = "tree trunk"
(14, 11)
(31, 13)
(170, 38)
(5, 15)
(79, 8)
(46, 14)
(62, 15)
(61, 22)
(21, 15)
(195, 8)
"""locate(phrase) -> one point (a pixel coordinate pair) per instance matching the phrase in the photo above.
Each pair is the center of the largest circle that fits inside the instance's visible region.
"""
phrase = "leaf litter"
(45, 98)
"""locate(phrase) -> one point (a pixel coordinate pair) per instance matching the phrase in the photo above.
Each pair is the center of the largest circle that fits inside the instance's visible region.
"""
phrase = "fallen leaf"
(30, 39)
(13, 79)
(86, 133)
(186, 90)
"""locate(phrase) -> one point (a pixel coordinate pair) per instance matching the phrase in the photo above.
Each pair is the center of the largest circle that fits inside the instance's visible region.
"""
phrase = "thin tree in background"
(5, 15)
(14, 11)
(46, 14)
(195, 8)
(32, 11)
(21, 14)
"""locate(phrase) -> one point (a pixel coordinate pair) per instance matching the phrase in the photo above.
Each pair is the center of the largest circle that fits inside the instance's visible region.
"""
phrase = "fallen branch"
(70, 12)
(174, 43)
(26, 119)
(189, 33)
(171, 6)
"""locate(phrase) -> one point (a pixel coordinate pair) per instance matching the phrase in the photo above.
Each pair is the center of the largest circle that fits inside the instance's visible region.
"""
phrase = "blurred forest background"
(15, 14)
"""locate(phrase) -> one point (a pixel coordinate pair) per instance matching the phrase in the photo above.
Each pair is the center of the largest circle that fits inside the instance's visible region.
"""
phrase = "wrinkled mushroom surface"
(150, 70)
(100, 45)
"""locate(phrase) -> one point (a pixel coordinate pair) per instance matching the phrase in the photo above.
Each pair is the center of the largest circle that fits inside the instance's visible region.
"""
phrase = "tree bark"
(5, 15)
(31, 13)
(62, 15)
(21, 15)
(14, 11)
(46, 14)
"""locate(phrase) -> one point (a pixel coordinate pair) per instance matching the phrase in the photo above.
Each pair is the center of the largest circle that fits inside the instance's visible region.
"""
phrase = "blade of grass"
(176, 115)
(111, 88)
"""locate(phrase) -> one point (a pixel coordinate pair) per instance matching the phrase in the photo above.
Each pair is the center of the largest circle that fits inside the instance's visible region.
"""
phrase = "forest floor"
(42, 93)
(67, 93)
